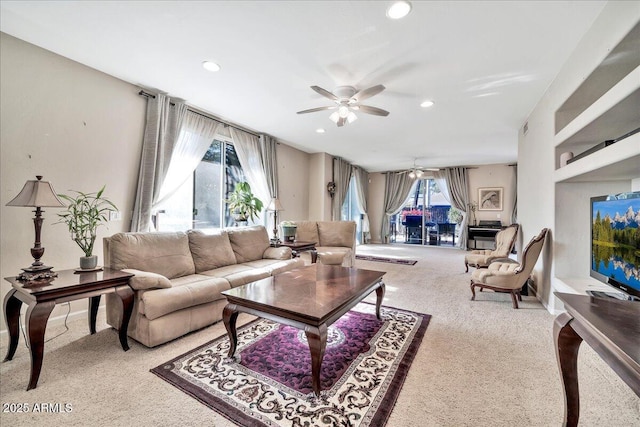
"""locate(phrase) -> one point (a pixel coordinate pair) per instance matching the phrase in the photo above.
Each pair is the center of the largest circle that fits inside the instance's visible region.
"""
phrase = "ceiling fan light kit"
(347, 100)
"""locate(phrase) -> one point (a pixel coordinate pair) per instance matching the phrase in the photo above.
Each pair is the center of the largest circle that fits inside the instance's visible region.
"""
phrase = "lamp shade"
(37, 193)
(275, 205)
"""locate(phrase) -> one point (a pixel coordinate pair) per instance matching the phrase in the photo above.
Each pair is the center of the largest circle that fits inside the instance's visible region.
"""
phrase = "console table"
(611, 327)
(42, 296)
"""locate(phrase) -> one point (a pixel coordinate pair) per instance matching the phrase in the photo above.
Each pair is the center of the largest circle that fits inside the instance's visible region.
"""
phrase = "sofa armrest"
(281, 252)
(147, 280)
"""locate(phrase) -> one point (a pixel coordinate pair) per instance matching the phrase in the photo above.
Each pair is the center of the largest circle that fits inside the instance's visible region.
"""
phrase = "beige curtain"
(396, 190)
(341, 177)
(457, 192)
(362, 189)
(164, 121)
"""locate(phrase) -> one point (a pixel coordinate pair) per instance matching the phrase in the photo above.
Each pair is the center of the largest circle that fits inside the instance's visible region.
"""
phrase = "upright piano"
(483, 234)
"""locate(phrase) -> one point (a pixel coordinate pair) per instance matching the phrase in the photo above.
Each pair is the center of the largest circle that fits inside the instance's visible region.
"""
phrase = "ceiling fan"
(417, 171)
(347, 100)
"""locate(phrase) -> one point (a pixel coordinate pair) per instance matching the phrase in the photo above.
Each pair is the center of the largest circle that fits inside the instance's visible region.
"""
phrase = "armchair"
(505, 239)
(509, 276)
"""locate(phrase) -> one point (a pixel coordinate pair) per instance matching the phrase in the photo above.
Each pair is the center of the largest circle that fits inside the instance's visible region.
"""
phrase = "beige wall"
(541, 202)
(482, 176)
(80, 129)
(319, 176)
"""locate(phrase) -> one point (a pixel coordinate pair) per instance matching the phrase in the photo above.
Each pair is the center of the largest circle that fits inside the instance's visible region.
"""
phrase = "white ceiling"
(485, 64)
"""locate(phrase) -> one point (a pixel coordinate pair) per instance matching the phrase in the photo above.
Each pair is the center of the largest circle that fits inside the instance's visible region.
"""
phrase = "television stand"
(610, 326)
(615, 295)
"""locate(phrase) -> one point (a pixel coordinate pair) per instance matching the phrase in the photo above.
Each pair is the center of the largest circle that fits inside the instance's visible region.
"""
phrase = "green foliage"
(84, 214)
(243, 204)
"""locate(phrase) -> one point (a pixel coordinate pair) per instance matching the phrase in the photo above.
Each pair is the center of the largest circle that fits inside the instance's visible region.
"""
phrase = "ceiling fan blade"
(368, 93)
(313, 110)
(373, 110)
(325, 93)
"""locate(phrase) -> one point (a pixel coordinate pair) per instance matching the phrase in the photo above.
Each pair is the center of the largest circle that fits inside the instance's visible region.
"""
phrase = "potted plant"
(84, 214)
(243, 205)
(288, 230)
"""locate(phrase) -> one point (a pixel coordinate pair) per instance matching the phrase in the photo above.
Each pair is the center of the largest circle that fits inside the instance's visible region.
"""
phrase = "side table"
(41, 297)
(300, 246)
(611, 328)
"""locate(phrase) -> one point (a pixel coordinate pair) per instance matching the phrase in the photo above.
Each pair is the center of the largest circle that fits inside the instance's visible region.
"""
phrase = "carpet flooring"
(386, 259)
(268, 382)
(481, 363)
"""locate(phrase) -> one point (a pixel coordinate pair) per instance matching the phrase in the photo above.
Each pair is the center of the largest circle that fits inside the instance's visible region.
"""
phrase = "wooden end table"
(611, 327)
(42, 297)
(310, 298)
(298, 246)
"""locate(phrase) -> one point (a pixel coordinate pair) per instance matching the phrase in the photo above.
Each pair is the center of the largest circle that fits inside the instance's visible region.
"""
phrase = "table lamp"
(275, 206)
(37, 194)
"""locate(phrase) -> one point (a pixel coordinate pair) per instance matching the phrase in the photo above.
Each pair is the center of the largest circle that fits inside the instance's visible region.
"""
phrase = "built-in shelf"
(580, 285)
(604, 107)
(615, 162)
(614, 114)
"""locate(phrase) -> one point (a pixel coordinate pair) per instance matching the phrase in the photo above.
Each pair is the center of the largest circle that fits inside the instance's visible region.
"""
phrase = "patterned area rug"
(268, 383)
(389, 260)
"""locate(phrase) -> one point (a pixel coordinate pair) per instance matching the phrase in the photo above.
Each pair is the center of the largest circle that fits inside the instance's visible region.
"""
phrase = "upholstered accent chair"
(509, 276)
(481, 258)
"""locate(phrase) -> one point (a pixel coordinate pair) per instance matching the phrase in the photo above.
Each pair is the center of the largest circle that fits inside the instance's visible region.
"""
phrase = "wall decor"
(490, 199)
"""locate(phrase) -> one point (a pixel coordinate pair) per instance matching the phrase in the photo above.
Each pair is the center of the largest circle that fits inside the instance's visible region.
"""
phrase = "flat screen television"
(615, 242)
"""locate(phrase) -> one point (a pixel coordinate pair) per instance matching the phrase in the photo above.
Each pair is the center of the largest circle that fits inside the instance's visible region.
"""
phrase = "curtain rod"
(203, 114)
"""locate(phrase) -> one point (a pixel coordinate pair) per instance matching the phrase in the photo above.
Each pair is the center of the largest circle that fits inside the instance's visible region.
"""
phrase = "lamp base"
(36, 268)
(36, 275)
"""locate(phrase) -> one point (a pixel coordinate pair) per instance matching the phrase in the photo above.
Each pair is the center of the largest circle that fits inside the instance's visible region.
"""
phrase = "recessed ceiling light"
(320, 130)
(210, 66)
(427, 103)
(399, 9)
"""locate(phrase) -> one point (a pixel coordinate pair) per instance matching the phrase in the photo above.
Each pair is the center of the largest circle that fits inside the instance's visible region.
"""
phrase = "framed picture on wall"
(490, 199)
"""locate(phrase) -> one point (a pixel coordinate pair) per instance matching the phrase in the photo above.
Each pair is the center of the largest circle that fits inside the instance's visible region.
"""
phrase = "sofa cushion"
(239, 274)
(188, 291)
(147, 280)
(274, 266)
(210, 251)
(248, 243)
(307, 231)
(332, 255)
(165, 253)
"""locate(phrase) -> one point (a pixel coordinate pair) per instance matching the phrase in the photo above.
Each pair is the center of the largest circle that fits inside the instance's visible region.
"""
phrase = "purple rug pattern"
(268, 382)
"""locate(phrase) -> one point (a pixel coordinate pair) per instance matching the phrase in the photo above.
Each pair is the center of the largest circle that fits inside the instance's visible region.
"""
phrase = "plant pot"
(289, 233)
(88, 262)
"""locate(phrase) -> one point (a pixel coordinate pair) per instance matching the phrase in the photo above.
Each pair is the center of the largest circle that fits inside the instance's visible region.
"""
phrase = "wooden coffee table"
(309, 298)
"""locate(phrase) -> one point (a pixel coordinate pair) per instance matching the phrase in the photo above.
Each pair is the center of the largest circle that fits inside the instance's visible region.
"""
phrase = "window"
(199, 202)
(426, 218)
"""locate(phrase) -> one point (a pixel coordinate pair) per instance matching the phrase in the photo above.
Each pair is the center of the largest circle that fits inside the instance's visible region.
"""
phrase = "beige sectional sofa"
(335, 240)
(179, 276)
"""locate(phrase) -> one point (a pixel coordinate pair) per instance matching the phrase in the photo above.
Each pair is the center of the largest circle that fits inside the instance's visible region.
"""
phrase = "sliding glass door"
(426, 217)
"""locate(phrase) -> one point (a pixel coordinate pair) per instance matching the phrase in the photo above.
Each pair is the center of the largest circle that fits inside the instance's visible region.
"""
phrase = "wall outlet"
(498, 216)
(115, 216)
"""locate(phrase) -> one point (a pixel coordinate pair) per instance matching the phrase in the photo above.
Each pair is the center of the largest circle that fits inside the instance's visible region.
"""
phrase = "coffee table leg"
(229, 317)
(380, 297)
(125, 293)
(12, 317)
(317, 339)
(36, 320)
